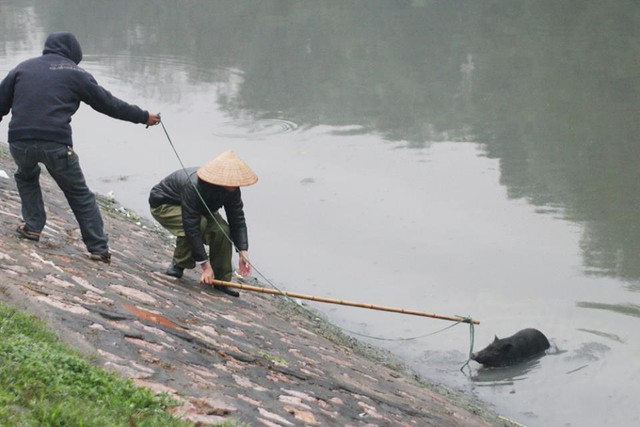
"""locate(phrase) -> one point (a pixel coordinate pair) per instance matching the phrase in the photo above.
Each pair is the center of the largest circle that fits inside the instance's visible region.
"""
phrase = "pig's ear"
(496, 338)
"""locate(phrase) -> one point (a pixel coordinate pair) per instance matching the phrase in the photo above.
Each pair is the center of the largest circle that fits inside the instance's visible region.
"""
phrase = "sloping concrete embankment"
(258, 359)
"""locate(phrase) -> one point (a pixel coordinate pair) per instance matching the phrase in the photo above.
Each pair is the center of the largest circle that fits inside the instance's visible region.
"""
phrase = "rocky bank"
(258, 359)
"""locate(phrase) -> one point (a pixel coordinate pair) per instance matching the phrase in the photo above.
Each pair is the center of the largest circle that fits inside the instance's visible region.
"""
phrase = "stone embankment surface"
(254, 359)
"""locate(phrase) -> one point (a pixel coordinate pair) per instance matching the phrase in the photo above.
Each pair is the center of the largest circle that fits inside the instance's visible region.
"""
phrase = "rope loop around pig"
(471, 341)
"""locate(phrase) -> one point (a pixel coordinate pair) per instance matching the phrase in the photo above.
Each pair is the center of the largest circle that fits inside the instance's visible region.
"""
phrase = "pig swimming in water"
(516, 348)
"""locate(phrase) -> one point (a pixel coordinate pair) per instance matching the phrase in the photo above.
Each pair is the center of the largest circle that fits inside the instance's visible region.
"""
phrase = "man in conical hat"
(186, 203)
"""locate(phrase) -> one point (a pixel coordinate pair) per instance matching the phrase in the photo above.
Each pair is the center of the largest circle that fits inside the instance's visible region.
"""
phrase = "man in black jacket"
(186, 203)
(42, 94)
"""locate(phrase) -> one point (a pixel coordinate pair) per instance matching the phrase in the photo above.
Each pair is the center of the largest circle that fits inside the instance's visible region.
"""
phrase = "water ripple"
(255, 129)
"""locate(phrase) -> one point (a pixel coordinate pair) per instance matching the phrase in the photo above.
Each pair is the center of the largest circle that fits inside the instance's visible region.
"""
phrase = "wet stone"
(202, 419)
(16, 269)
(268, 423)
(292, 400)
(97, 327)
(61, 283)
(246, 383)
(133, 294)
(145, 344)
(129, 371)
(85, 284)
(274, 417)
(64, 306)
(306, 417)
(155, 387)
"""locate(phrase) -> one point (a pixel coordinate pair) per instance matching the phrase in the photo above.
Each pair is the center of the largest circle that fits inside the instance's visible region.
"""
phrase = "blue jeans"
(64, 167)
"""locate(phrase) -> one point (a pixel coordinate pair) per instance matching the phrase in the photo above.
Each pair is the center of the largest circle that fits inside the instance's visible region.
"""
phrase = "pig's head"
(498, 353)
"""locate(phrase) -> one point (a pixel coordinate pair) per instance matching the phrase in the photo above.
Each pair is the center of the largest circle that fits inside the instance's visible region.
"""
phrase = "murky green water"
(459, 157)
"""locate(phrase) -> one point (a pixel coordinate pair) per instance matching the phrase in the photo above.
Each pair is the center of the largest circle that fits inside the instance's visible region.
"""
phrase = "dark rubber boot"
(174, 271)
(227, 290)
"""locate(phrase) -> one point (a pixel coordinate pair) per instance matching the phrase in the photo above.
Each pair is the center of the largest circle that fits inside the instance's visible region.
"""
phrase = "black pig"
(516, 348)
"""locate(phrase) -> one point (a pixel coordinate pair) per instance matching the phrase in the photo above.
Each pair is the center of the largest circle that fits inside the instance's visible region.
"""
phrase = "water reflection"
(626, 309)
(607, 335)
(509, 375)
(550, 87)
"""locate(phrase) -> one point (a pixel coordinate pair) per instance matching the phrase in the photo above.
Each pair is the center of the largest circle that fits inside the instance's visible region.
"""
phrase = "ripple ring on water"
(255, 128)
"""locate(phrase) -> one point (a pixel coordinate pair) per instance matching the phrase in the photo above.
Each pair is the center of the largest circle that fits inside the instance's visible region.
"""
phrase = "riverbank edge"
(291, 308)
(285, 308)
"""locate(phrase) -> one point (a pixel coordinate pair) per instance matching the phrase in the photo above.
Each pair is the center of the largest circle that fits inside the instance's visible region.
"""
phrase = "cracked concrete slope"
(256, 359)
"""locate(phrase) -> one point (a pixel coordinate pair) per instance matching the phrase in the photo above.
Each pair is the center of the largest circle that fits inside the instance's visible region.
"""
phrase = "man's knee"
(217, 230)
(25, 175)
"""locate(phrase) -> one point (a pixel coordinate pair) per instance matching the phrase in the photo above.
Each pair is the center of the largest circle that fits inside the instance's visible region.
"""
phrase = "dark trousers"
(214, 233)
(64, 167)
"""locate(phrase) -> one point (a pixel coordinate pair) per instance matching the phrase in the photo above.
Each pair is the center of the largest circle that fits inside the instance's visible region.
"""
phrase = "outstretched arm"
(104, 102)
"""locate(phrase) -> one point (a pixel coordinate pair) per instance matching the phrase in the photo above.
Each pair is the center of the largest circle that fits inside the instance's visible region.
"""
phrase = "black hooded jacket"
(43, 93)
(179, 188)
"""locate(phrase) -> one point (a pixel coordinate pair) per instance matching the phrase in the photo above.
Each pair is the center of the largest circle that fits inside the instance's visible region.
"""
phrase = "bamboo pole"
(341, 302)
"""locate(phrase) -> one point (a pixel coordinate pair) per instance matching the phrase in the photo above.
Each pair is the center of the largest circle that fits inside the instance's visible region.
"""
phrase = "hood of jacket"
(65, 44)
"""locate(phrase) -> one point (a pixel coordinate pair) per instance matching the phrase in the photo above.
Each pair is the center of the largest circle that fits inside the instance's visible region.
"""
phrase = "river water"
(475, 158)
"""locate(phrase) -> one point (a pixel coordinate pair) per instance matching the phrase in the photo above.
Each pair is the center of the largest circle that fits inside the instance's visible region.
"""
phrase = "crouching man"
(186, 203)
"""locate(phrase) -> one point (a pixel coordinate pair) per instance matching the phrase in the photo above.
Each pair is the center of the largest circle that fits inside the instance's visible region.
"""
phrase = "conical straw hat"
(227, 170)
